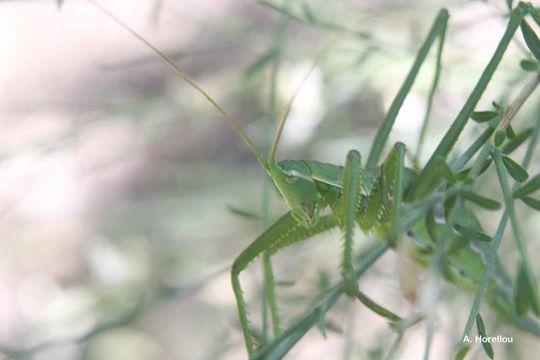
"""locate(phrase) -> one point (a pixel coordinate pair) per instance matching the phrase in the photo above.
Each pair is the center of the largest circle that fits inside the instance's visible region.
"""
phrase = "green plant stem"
(502, 123)
(490, 266)
(269, 297)
(492, 255)
(383, 133)
(320, 23)
(393, 348)
(376, 308)
(287, 339)
(482, 157)
(429, 339)
(431, 96)
(455, 130)
(519, 101)
(509, 203)
(401, 327)
(417, 212)
(510, 208)
(456, 211)
(473, 149)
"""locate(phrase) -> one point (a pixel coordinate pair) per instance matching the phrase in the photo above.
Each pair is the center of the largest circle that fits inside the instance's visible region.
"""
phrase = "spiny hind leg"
(284, 232)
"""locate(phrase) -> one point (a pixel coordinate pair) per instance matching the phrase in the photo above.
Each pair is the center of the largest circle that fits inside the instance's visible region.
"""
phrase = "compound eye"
(291, 179)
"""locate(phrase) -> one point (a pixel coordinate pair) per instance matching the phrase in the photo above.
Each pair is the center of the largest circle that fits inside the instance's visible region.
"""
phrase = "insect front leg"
(350, 202)
(284, 232)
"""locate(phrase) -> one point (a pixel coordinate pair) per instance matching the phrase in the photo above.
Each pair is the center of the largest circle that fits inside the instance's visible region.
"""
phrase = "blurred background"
(125, 196)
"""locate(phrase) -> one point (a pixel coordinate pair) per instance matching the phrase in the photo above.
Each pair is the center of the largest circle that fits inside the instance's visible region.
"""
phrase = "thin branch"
(283, 343)
(519, 101)
(323, 24)
(492, 254)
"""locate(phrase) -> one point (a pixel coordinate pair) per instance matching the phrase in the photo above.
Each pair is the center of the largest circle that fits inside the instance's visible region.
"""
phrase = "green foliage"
(529, 65)
(260, 63)
(531, 39)
(533, 203)
(516, 141)
(499, 137)
(394, 203)
(482, 332)
(514, 169)
(522, 293)
(246, 214)
(528, 188)
(479, 200)
(483, 116)
(471, 233)
(462, 352)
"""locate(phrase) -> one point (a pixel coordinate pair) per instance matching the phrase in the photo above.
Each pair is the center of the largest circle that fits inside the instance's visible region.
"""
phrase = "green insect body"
(309, 187)
(352, 195)
(373, 197)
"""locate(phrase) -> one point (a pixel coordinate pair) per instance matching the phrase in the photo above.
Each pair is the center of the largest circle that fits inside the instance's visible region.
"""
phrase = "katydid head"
(294, 182)
(292, 178)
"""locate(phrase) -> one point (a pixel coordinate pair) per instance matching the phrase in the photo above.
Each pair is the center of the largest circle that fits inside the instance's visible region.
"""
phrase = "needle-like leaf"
(483, 116)
(499, 137)
(535, 204)
(529, 65)
(463, 350)
(482, 332)
(479, 200)
(532, 41)
(471, 233)
(246, 214)
(535, 15)
(261, 62)
(510, 133)
(514, 169)
(521, 292)
(376, 308)
(516, 141)
(529, 187)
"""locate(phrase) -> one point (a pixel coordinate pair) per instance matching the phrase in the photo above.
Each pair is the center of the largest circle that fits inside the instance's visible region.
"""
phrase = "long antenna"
(283, 119)
(188, 79)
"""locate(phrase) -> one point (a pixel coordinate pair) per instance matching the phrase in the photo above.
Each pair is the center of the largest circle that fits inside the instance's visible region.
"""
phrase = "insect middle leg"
(284, 232)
